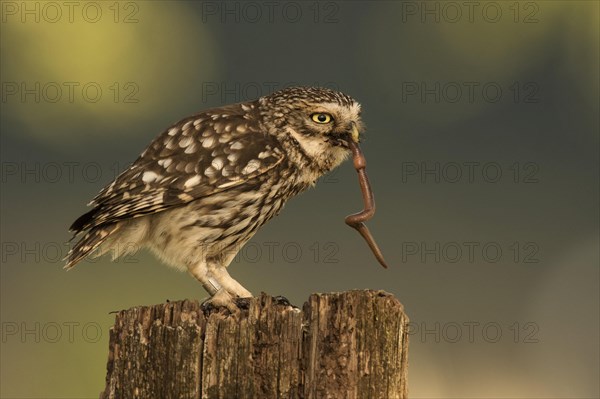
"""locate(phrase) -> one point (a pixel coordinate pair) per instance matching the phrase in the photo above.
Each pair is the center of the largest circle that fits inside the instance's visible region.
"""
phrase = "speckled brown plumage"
(206, 184)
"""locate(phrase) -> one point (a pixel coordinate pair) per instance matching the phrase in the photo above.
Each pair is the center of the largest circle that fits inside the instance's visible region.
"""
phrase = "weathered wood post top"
(340, 345)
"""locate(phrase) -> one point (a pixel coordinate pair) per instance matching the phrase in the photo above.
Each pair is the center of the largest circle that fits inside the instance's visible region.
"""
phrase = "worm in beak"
(357, 220)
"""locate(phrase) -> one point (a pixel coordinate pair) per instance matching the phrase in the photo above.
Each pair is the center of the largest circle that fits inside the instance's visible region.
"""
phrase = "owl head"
(322, 121)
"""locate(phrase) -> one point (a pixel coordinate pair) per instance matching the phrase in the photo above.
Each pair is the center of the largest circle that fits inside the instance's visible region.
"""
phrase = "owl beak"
(354, 133)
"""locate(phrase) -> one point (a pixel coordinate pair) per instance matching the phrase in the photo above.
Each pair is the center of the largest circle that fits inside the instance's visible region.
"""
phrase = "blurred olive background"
(482, 143)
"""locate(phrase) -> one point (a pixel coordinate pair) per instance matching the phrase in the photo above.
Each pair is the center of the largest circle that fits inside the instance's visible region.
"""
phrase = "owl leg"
(217, 268)
(230, 290)
(201, 273)
(222, 288)
(229, 284)
(219, 297)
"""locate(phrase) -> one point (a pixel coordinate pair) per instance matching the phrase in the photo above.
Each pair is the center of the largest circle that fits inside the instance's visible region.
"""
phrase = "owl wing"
(199, 156)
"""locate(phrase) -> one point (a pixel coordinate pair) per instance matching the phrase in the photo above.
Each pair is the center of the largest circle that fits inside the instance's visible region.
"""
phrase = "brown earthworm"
(357, 220)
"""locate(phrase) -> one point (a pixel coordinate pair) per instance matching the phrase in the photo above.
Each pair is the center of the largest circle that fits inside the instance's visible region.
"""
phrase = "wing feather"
(199, 156)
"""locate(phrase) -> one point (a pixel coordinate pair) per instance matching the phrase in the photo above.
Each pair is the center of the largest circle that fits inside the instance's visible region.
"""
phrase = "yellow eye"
(321, 117)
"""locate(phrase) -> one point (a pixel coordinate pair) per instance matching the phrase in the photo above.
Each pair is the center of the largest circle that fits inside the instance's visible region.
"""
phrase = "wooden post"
(340, 345)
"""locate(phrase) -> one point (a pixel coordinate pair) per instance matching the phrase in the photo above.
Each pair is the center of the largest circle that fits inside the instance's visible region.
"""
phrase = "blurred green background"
(482, 143)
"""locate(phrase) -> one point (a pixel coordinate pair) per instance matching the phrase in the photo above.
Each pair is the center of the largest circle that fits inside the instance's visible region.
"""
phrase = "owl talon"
(222, 299)
(281, 300)
(207, 306)
(243, 303)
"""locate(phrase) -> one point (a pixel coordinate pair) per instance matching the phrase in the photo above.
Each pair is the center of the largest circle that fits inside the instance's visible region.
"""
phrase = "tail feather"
(83, 221)
(88, 243)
